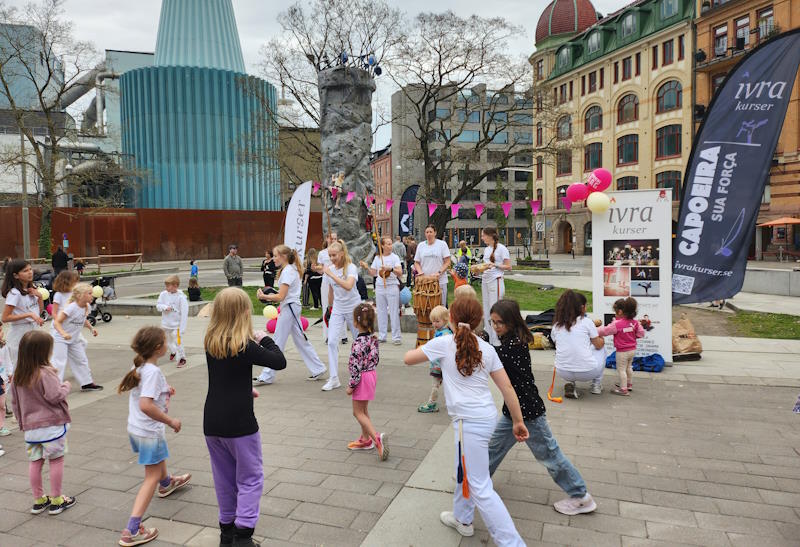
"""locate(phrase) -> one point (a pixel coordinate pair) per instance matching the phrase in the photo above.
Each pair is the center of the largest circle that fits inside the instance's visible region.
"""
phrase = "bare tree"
(469, 106)
(43, 68)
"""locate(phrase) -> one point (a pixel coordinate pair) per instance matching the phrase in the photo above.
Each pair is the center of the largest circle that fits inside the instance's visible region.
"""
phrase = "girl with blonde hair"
(288, 296)
(229, 423)
(69, 345)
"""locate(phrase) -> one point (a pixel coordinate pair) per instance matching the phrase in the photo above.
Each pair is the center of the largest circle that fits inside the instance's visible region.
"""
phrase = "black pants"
(269, 279)
(315, 286)
(235, 282)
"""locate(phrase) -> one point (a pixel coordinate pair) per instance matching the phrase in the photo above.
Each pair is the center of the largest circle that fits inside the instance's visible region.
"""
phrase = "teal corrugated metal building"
(192, 118)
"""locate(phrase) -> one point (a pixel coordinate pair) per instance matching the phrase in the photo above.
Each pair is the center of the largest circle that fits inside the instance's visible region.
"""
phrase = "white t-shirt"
(323, 259)
(23, 303)
(468, 397)
(174, 310)
(574, 349)
(5, 363)
(152, 384)
(389, 261)
(500, 254)
(290, 276)
(62, 299)
(431, 258)
(345, 301)
(72, 323)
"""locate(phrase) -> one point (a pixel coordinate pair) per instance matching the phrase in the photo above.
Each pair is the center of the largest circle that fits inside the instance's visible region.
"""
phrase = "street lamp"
(26, 227)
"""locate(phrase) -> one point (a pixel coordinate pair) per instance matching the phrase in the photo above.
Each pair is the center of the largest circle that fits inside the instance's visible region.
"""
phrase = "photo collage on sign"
(630, 268)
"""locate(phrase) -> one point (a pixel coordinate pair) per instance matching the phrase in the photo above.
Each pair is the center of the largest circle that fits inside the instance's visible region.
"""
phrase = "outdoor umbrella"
(783, 221)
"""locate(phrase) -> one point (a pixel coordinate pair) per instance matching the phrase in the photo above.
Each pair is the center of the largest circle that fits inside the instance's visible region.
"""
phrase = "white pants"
(14, 333)
(443, 286)
(594, 375)
(336, 329)
(73, 351)
(387, 300)
(289, 324)
(324, 298)
(492, 290)
(481, 492)
(173, 345)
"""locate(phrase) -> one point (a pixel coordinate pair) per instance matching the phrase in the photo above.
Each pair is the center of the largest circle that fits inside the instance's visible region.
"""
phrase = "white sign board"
(632, 256)
(295, 231)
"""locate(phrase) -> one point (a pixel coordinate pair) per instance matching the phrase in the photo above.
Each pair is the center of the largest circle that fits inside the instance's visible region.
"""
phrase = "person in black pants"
(313, 279)
(59, 261)
(268, 269)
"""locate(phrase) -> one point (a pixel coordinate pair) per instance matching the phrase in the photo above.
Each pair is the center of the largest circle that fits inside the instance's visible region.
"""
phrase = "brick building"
(381, 165)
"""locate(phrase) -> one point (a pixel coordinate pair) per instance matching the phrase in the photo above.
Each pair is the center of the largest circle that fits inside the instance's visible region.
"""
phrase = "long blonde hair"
(291, 256)
(79, 289)
(231, 325)
(341, 247)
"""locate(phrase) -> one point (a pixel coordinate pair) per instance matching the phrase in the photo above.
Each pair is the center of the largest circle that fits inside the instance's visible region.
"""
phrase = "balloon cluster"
(592, 191)
(272, 313)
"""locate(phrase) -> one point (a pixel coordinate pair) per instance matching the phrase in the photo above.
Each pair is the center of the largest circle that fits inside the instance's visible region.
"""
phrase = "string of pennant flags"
(480, 208)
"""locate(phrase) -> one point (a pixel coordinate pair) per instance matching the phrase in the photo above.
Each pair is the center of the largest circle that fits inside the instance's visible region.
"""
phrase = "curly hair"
(465, 315)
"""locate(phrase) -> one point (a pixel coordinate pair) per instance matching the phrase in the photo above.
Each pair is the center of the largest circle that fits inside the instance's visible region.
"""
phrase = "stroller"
(43, 278)
(107, 284)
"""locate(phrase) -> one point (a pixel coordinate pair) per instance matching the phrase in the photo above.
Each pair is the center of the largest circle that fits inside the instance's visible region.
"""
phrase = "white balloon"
(598, 202)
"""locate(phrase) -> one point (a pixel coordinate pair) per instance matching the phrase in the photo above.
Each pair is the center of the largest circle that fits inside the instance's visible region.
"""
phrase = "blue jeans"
(545, 449)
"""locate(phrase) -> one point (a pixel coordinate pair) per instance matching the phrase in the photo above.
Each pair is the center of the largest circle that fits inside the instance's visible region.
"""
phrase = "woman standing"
(268, 269)
(313, 279)
(493, 287)
(432, 259)
(387, 269)
(343, 297)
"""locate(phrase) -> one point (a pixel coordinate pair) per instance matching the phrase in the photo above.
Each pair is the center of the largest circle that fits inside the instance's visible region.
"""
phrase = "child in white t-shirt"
(63, 284)
(67, 342)
(174, 310)
(23, 306)
(5, 363)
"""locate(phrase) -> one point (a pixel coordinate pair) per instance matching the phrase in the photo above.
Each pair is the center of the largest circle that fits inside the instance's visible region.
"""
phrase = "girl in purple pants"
(229, 423)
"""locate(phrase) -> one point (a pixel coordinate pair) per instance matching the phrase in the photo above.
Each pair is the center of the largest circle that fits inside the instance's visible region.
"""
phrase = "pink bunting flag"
(350, 196)
(411, 205)
(315, 188)
(431, 209)
(567, 203)
(334, 192)
(389, 203)
(454, 207)
(369, 200)
(536, 204)
(506, 205)
(479, 207)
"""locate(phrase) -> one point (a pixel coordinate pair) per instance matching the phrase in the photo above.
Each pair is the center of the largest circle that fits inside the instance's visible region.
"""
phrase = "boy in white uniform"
(174, 310)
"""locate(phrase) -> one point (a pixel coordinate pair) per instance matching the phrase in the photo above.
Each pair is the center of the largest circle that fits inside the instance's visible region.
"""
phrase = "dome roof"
(565, 17)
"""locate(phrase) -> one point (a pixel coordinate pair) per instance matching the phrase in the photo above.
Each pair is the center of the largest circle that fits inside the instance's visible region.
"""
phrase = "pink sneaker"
(144, 535)
(361, 444)
(176, 482)
(576, 506)
(383, 449)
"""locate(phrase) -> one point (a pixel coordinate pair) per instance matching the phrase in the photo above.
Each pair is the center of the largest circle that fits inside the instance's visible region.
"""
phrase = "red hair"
(465, 315)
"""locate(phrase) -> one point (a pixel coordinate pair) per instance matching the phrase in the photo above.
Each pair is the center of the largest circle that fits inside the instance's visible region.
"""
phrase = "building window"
(721, 40)
(593, 120)
(616, 71)
(669, 96)
(500, 137)
(681, 48)
(742, 32)
(564, 127)
(628, 183)
(496, 195)
(438, 114)
(668, 8)
(520, 176)
(469, 136)
(592, 156)
(655, 57)
(628, 25)
(561, 195)
(540, 69)
(440, 136)
(670, 179)
(539, 102)
(627, 149)
(539, 193)
(570, 90)
(602, 77)
(716, 82)
(667, 53)
(583, 85)
(523, 137)
(593, 45)
(523, 119)
(766, 24)
(638, 63)
(471, 117)
(539, 134)
(562, 94)
(668, 141)
(563, 162)
(539, 167)
(592, 82)
(497, 117)
(627, 68)
(628, 109)
(564, 57)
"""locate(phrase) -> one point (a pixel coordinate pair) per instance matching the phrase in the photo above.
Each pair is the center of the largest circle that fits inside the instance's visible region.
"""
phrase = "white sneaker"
(2, 452)
(449, 519)
(315, 377)
(576, 506)
(331, 384)
(597, 388)
(397, 342)
(257, 382)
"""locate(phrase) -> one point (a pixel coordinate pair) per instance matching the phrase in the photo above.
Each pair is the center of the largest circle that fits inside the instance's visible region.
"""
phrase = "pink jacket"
(625, 332)
(43, 404)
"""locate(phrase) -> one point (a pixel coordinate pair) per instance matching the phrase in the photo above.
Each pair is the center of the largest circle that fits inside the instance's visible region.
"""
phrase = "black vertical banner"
(405, 220)
(727, 171)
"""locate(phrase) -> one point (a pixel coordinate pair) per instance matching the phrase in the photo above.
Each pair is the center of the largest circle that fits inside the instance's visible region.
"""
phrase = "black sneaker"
(40, 505)
(344, 341)
(91, 387)
(66, 503)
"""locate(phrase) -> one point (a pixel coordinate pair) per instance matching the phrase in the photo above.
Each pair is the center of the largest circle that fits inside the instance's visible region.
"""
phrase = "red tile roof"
(565, 17)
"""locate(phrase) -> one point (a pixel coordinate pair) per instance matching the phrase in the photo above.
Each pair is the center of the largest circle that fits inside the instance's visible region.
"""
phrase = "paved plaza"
(705, 453)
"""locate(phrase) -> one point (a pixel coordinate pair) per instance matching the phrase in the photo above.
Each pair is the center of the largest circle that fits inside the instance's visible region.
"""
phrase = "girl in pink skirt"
(363, 379)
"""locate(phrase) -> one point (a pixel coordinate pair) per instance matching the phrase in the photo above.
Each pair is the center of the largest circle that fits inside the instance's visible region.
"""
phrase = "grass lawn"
(766, 325)
(528, 295)
(208, 294)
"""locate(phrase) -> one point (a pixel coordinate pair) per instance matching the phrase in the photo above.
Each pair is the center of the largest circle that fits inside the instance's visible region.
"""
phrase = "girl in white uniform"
(467, 362)
(62, 287)
(23, 308)
(492, 285)
(342, 276)
(289, 287)
(387, 269)
(67, 342)
(324, 259)
(432, 259)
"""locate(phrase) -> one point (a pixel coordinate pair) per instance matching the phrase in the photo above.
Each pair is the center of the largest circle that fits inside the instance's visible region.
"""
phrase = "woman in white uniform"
(289, 287)
(432, 259)
(342, 275)
(387, 270)
(493, 287)
(23, 307)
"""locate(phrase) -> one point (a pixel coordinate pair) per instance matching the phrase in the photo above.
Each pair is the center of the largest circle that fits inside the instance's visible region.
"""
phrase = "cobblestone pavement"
(704, 453)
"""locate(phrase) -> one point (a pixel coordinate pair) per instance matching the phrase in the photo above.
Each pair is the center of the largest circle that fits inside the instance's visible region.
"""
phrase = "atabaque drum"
(427, 295)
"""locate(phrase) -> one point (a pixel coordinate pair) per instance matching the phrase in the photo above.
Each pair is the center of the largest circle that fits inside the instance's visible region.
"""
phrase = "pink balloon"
(49, 309)
(304, 322)
(271, 325)
(599, 180)
(577, 191)
(279, 309)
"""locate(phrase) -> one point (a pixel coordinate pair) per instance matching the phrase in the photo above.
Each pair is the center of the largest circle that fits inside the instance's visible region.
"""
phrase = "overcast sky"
(133, 25)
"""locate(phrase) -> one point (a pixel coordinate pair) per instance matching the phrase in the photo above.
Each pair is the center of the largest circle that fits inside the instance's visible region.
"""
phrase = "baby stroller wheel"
(92, 320)
(106, 317)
